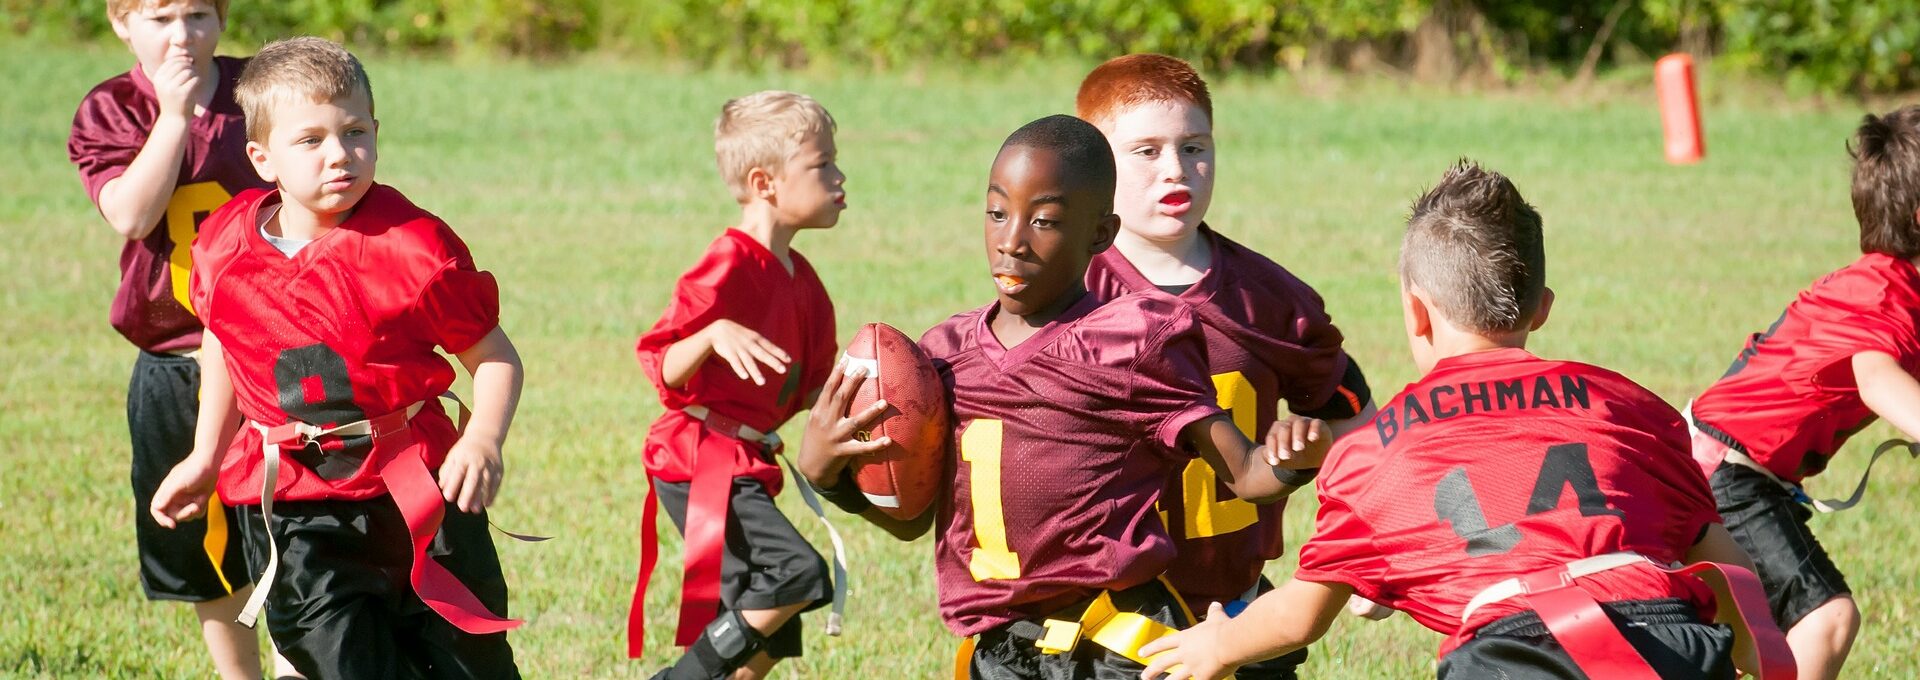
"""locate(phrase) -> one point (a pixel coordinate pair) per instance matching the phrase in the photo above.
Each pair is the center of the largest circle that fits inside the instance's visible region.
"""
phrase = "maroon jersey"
(1789, 400)
(1268, 338)
(343, 331)
(739, 280)
(1499, 464)
(1067, 440)
(152, 308)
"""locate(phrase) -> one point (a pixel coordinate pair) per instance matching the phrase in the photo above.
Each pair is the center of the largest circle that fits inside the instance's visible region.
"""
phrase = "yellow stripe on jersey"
(215, 542)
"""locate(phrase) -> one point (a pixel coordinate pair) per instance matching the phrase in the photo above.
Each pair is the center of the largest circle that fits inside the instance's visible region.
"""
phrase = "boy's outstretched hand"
(186, 492)
(1191, 653)
(744, 349)
(1298, 443)
(470, 476)
(829, 442)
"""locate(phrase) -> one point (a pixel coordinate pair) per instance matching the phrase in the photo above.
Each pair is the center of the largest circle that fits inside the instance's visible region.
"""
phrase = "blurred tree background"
(1853, 47)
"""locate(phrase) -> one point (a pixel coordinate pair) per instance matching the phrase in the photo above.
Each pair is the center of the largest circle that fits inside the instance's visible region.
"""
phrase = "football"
(902, 479)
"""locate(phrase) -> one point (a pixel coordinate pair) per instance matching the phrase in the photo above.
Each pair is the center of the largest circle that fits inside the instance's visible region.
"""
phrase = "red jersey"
(1789, 400)
(343, 331)
(1067, 438)
(739, 280)
(1268, 338)
(1499, 464)
(151, 307)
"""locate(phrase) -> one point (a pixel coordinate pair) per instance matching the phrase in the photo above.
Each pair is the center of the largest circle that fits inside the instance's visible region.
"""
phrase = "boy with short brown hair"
(325, 302)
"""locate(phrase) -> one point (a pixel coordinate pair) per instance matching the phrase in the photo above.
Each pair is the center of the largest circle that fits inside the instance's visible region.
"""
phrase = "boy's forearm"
(1236, 460)
(1343, 426)
(219, 417)
(498, 376)
(134, 202)
(1282, 620)
(1888, 390)
(683, 358)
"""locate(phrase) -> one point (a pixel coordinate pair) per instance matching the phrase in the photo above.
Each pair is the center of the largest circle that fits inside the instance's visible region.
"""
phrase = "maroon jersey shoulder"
(151, 307)
(1789, 398)
(1500, 464)
(1067, 438)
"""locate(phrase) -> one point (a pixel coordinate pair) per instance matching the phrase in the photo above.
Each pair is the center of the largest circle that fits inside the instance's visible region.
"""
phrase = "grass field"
(587, 187)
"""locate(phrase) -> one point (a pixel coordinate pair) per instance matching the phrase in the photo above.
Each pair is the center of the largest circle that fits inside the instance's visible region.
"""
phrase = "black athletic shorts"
(766, 564)
(1766, 521)
(1283, 667)
(1668, 633)
(1008, 652)
(201, 560)
(342, 605)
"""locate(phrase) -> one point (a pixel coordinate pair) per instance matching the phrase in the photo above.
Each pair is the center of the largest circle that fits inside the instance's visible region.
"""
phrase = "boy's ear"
(1103, 233)
(257, 154)
(120, 29)
(1416, 313)
(1540, 314)
(760, 183)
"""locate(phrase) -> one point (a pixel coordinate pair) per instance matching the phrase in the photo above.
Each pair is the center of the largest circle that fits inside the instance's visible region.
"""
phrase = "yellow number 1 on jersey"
(980, 448)
(1207, 513)
(188, 202)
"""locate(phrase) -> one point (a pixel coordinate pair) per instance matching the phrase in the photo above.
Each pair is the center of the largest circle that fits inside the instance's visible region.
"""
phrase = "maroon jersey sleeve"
(106, 134)
(1170, 377)
(1282, 322)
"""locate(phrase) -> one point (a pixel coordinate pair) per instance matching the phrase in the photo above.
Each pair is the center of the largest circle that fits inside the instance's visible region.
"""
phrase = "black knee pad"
(727, 644)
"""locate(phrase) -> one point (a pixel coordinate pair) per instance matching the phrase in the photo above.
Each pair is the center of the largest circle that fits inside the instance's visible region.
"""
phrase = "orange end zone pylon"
(1679, 109)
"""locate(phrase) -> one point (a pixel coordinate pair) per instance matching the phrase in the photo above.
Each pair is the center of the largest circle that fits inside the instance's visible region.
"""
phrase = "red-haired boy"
(158, 148)
(1268, 335)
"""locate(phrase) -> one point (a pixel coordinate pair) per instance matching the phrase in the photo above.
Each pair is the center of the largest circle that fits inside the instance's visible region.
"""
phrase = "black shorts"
(201, 560)
(767, 563)
(1008, 652)
(1283, 667)
(342, 605)
(1766, 521)
(1668, 633)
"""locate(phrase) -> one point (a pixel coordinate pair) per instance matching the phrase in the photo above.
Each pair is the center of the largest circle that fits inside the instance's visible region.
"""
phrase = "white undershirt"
(287, 246)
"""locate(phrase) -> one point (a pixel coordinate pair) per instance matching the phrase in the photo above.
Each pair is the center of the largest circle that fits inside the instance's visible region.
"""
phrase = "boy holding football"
(746, 342)
(1268, 336)
(1069, 414)
(1843, 354)
(1503, 499)
(324, 303)
(159, 147)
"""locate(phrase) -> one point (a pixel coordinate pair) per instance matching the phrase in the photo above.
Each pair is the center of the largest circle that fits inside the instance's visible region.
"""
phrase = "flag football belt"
(1101, 623)
(412, 486)
(705, 537)
(1727, 452)
(1582, 628)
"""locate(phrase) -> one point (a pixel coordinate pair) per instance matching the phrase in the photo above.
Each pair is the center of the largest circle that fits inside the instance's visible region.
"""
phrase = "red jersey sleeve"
(105, 136)
(698, 301)
(1170, 376)
(460, 306)
(1342, 551)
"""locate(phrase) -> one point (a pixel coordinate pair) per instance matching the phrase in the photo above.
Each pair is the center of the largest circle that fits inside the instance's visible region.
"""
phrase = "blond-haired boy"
(324, 302)
(745, 343)
(159, 147)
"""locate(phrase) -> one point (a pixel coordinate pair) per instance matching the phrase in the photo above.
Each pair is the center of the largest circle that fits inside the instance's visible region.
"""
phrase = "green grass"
(587, 187)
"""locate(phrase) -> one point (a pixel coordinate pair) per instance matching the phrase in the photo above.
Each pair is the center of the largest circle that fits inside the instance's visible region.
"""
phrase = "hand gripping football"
(902, 479)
